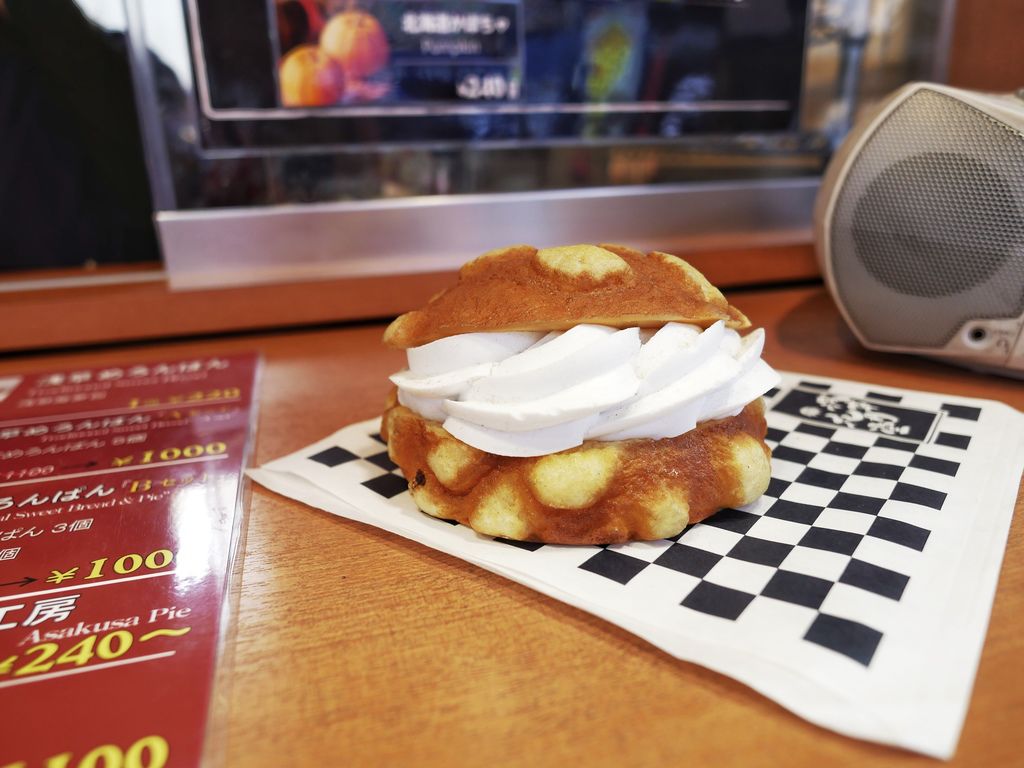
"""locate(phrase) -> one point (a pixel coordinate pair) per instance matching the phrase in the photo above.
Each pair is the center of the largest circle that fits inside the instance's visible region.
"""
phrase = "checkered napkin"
(856, 592)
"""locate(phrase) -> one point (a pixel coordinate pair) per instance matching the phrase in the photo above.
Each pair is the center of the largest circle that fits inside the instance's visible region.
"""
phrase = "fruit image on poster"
(331, 54)
(310, 78)
(357, 42)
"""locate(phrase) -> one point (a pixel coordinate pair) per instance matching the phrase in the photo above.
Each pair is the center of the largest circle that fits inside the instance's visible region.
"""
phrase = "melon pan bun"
(603, 491)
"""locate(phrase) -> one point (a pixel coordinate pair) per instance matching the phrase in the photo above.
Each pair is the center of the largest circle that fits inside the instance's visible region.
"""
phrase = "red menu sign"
(119, 507)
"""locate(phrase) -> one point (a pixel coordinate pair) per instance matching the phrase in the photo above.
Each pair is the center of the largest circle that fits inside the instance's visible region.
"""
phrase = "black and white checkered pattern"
(828, 551)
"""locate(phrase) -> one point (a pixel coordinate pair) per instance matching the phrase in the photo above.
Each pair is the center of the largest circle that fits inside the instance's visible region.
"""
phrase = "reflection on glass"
(359, 101)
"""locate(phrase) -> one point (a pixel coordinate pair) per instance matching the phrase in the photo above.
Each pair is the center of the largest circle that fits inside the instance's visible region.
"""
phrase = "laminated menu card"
(119, 513)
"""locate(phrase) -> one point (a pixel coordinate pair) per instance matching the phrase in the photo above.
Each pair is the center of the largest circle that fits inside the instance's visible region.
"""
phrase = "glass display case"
(300, 139)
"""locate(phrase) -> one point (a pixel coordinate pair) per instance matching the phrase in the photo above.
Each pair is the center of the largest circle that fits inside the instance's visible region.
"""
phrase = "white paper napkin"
(856, 592)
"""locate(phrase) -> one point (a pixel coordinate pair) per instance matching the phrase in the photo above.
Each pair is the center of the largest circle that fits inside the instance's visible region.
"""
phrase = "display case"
(180, 167)
(303, 139)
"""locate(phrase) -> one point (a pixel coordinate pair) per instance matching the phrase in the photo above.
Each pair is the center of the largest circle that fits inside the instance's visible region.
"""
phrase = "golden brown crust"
(599, 493)
(519, 288)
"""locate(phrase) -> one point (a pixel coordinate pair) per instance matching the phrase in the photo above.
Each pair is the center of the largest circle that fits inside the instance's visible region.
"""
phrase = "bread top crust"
(521, 288)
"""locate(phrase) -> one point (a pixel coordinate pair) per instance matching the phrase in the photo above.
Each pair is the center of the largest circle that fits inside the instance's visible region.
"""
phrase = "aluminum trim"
(568, 195)
(295, 113)
(294, 243)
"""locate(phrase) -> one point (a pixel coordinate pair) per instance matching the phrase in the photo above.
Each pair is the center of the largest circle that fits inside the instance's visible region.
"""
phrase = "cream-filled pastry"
(583, 394)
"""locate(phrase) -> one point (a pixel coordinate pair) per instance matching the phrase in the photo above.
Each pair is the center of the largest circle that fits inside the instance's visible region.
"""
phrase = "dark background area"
(73, 184)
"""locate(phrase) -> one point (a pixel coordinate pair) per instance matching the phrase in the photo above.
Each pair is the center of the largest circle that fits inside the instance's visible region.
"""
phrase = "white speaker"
(919, 227)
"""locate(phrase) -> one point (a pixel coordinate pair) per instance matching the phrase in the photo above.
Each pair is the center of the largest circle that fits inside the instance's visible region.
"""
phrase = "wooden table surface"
(356, 647)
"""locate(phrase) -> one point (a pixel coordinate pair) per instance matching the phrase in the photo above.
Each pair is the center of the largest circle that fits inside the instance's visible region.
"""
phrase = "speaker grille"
(928, 229)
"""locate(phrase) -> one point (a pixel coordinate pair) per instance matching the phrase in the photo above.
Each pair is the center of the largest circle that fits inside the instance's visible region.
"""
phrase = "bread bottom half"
(598, 493)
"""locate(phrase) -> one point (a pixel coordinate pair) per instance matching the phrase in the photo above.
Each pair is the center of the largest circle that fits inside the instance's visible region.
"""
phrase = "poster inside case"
(392, 71)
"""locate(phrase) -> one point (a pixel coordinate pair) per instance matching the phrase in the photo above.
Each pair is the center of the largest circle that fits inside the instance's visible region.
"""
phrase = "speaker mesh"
(928, 229)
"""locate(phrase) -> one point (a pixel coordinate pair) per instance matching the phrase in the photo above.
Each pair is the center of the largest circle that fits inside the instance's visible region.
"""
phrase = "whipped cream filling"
(531, 394)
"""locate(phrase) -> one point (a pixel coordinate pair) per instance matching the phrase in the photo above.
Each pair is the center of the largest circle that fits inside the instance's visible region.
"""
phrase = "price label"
(489, 87)
(147, 752)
